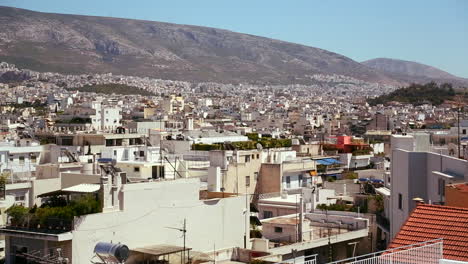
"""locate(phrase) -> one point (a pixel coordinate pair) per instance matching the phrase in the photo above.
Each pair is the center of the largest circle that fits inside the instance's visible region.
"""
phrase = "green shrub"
(55, 208)
(17, 213)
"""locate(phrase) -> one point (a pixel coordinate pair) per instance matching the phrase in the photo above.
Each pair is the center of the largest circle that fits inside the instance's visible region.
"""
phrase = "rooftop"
(429, 222)
(462, 187)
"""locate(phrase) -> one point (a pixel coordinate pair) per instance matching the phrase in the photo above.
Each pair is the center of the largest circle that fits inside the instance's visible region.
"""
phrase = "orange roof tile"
(428, 222)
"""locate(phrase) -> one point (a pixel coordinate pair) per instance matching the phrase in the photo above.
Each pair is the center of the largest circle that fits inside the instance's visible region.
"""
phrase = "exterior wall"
(345, 187)
(44, 186)
(72, 179)
(242, 176)
(288, 234)
(270, 178)
(310, 149)
(276, 210)
(155, 206)
(20, 191)
(413, 177)
(144, 170)
(20, 159)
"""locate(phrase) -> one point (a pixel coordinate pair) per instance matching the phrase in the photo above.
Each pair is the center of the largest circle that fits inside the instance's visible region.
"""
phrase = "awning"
(160, 250)
(255, 221)
(328, 161)
(383, 191)
(80, 188)
(253, 208)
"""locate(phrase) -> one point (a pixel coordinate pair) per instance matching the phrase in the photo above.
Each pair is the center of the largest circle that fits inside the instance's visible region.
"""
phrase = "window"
(278, 229)
(464, 131)
(115, 152)
(441, 189)
(19, 198)
(33, 158)
(136, 169)
(142, 153)
(258, 156)
(247, 158)
(247, 181)
(400, 201)
(21, 159)
(255, 176)
(267, 214)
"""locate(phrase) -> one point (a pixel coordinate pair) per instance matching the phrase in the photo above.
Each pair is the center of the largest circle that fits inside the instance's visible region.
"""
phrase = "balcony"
(428, 252)
(383, 222)
(53, 221)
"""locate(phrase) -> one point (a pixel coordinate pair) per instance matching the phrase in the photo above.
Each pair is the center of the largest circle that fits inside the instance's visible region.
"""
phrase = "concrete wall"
(343, 186)
(44, 186)
(270, 178)
(72, 179)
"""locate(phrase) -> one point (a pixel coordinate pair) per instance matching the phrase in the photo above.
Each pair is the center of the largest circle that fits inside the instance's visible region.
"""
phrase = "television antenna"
(184, 235)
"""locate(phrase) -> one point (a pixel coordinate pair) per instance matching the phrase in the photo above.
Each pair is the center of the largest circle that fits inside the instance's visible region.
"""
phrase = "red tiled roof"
(428, 222)
(463, 187)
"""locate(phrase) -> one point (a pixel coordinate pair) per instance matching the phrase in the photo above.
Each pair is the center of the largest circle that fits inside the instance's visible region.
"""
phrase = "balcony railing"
(428, 252)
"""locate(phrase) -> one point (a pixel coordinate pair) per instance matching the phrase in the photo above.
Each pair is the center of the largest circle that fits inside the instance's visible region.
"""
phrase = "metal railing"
(428, 252)
(311, 259)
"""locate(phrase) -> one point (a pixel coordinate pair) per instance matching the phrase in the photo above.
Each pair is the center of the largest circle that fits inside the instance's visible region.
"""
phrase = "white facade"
(106, 117)
(19, 158)
(419, 174)
(147, 209)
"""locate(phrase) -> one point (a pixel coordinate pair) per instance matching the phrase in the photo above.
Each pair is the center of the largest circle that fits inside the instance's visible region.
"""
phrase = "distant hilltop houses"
(93, 170)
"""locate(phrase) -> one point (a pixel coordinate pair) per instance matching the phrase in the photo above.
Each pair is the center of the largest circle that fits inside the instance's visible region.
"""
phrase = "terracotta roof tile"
(428, 222)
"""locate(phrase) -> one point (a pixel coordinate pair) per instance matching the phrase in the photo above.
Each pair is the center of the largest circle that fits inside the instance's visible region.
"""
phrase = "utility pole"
(459, 141)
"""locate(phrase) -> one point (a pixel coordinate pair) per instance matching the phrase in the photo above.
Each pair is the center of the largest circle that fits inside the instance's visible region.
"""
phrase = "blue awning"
(328, 161)
(323, 162)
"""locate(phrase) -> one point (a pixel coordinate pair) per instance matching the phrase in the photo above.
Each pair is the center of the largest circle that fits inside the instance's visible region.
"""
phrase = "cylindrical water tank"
(111, 253)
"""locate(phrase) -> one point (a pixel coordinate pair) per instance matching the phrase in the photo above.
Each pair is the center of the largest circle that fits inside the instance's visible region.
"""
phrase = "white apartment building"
(20, 156)
(106, 117)
(152, 207)
(418, 173)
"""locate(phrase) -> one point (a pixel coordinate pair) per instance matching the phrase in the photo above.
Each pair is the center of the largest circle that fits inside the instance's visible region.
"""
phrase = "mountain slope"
(80, 44)
(408, 68)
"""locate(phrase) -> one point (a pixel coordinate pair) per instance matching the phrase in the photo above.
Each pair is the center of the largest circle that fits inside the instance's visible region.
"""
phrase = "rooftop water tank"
(111, 253)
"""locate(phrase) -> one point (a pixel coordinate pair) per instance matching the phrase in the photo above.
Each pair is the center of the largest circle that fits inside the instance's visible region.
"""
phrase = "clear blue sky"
(433, 32)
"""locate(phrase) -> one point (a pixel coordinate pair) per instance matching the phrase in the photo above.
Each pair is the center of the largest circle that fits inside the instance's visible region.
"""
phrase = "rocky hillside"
(80, 44)
(410, 71)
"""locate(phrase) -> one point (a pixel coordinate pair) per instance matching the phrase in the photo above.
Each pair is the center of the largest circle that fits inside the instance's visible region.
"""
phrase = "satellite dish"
(259, 147)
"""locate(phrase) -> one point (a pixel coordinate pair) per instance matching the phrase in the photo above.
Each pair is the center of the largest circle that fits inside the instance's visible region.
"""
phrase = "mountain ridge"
(69, 43)
(79, 44)
(409, 68)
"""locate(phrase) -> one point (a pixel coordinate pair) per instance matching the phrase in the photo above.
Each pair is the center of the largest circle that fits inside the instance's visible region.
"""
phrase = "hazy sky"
(433, 32)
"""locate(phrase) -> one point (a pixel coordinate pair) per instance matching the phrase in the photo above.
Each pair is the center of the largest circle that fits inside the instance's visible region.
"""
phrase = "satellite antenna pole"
(184, 235)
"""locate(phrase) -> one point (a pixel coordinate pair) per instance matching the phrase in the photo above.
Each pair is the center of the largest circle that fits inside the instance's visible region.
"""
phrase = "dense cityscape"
(113, 168)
